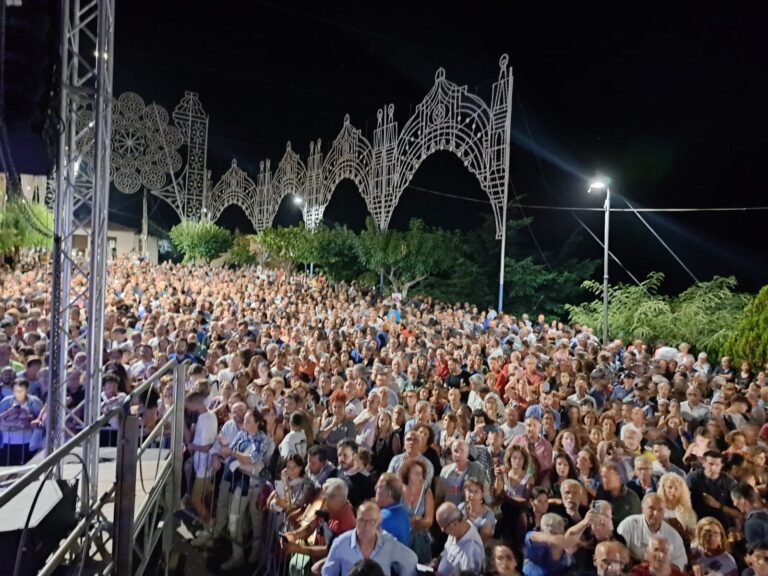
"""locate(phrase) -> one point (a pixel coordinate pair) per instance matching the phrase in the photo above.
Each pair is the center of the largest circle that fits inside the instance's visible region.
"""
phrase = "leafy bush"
(749, 341)
(705, 315)
(17, 230)
(200, 240)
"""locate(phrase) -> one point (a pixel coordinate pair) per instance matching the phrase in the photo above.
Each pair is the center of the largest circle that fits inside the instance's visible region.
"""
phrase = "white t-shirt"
(205, 434)
(295, 442)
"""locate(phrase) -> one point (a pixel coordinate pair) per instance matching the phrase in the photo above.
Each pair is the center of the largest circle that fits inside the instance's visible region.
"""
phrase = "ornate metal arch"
(349, 158)
(147, 150)
(449, 118)
(148, 153)
(234, 187)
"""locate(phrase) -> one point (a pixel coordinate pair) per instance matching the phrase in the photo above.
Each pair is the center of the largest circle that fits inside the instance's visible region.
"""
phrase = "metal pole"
(66, 173)
(125, 497)
(605, 264)
(381, 282)
(508, 133)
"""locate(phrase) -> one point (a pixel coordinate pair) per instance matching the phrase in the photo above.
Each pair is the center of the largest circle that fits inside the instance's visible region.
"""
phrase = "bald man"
(463, 550)
(611, 558)
(638, 529)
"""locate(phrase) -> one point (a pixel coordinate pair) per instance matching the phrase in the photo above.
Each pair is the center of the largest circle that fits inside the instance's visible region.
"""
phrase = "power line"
(675, 256)
(585, 209)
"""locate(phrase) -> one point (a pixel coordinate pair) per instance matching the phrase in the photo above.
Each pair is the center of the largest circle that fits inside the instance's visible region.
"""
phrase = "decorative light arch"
(147, 153)
(449, 118)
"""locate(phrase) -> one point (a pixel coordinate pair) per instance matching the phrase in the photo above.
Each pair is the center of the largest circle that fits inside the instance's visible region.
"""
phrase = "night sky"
(668, 99)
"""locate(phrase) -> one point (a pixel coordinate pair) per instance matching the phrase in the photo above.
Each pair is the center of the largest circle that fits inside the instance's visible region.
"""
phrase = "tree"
(335, 253)
(25, 225)
(705, 315)
(406, 257)
(749, 340)
(200, 240)
(530, 284)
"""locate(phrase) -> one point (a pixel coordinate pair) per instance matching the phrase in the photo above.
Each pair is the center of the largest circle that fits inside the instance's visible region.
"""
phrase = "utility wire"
(587, 209)
(579, 220)
(675, 256)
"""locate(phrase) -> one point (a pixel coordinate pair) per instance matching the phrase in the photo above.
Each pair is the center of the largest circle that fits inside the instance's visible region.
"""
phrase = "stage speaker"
(52, 520)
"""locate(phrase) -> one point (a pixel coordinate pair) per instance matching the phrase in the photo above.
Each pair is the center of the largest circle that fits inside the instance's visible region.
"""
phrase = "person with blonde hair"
(709, 552)
(676, 498)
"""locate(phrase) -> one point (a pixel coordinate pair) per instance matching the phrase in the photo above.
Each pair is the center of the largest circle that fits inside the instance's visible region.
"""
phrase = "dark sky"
(667, 98)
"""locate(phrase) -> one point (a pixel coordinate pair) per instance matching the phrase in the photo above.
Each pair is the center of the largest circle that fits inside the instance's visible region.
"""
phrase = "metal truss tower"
(81, 202)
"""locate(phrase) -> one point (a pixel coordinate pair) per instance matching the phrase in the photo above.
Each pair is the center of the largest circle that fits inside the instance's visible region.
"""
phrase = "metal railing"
(162, 497)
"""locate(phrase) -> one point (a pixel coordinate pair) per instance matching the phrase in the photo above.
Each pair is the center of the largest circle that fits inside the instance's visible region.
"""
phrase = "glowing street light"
(602, 184)
(298, 200)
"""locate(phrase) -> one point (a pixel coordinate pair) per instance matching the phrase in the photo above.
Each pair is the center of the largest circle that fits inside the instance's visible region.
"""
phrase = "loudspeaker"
(44, 534)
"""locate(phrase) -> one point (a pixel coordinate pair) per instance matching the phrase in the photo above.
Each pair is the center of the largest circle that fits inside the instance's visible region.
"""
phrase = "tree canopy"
(749, 341)
(200, 240)
(25, 226)
(705, 315)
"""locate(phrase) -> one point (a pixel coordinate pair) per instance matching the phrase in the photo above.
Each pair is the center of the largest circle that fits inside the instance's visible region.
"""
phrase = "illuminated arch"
(234, 187)
(448, 118)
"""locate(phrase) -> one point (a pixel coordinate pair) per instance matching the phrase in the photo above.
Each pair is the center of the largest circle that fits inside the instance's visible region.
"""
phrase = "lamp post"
(299, 202)
(603, 185)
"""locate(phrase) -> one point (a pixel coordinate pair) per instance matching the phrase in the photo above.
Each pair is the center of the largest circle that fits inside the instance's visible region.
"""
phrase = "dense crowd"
(398, 437)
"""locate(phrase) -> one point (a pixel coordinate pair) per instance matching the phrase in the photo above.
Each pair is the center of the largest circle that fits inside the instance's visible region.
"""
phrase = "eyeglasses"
(447, 526)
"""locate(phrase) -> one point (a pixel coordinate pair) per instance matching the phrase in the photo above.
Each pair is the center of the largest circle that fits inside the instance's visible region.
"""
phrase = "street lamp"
(602, 184)
(297, 200)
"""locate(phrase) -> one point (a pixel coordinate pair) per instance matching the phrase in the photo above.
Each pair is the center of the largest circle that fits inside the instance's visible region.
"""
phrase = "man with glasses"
(611, 558)
(643, 483)
(412, 451)
(336, 518)
(367, 542)
(464, 548)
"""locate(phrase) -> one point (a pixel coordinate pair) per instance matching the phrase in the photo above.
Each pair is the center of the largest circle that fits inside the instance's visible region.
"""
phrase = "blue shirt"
(536, 411)
(395, 520)
(388, 553)
(539, 562)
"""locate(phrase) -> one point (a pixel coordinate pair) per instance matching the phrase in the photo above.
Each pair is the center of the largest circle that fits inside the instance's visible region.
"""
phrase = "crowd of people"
(376, 436)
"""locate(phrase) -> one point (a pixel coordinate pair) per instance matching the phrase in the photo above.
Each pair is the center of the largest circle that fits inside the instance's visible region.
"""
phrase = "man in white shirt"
(225, 439)
(464, 548)
(512, 426)
(638, 529)
(693, 408)
(206, 429)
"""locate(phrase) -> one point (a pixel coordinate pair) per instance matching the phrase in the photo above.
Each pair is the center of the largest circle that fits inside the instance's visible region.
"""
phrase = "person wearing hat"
(625, 387)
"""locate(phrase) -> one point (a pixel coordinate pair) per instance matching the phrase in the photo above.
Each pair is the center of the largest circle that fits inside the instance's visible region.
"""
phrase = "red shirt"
(642, 570)
(342, 521)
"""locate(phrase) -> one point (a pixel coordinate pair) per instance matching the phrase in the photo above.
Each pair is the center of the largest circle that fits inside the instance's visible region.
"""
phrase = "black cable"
(25, 531)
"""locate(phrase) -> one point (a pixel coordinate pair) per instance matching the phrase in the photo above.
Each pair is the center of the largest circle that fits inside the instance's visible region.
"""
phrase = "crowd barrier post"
(125, 498)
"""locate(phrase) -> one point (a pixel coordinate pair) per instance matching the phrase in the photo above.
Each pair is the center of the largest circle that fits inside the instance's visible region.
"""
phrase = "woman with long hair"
(676, 498)
(475, 510)
(501, 560)
(420, 503)
(710, 549)
(757, 458)
(588, 471)
(567, 442)
(562, 470)
(386, 443)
